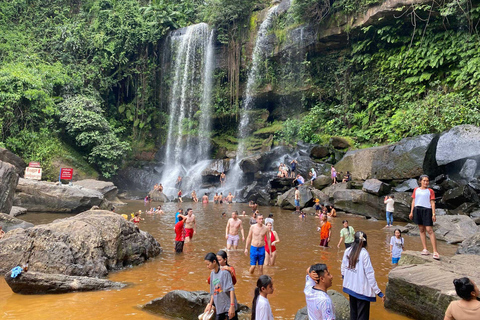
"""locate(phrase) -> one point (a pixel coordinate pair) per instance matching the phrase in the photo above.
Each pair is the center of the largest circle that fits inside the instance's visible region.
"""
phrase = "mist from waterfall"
(189, 127)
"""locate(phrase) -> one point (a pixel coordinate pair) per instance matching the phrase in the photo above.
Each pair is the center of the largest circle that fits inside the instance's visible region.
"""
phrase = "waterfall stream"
(189, 128)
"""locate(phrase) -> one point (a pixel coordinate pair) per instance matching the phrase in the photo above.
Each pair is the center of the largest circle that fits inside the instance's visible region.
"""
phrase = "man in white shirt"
(319, 304)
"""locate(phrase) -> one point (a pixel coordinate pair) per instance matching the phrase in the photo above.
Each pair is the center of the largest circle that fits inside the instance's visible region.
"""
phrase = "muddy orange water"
(297, 250)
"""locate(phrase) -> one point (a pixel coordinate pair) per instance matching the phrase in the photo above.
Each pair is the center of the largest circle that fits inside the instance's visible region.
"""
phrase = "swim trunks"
(317, 207)
(188, 233)
(233, 240)
(257, 254)
(178, 246)
(297, 203)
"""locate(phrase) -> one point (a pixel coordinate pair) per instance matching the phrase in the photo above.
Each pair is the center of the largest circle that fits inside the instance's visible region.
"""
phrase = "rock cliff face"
(8, 182)
(91, 244)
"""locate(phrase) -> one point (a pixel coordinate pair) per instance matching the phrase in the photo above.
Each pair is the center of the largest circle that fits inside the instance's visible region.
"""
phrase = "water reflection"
(298, 249)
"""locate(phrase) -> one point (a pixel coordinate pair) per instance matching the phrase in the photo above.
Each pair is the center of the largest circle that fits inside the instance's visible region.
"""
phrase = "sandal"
(436, 256)
(425, 252)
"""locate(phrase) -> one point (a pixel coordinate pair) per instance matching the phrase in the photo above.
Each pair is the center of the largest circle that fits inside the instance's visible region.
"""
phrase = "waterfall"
(191, 78)
(234, 179)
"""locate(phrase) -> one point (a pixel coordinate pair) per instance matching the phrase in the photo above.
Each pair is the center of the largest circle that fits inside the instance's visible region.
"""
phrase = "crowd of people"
(358, 275)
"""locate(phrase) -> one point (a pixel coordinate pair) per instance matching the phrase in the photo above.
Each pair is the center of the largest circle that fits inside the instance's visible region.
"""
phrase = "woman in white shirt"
(423, 214)
(261, 307)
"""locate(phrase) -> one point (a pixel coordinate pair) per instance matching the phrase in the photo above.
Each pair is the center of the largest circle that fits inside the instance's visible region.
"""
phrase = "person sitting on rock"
(469, 306)
(347, 177)
(160, 187)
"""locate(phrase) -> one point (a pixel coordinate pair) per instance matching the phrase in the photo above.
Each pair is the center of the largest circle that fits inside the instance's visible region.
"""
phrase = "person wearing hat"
(318, 208)
(269, 219)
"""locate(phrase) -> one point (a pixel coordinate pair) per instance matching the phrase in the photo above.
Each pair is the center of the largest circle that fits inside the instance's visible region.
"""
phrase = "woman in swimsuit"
(334, 174)
(274, 239)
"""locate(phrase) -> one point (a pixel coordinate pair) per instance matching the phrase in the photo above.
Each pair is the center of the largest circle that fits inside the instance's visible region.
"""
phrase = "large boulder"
(17, 211)
(8, 183)
(158, 196)
(406, 186)
(107, 188)
(341, 304)
(251, 164)
(340, 143)
(42, 196)
(359, 202)
(459, 195)
(475, 216)
(468, 169)
(376, 187)
(471, 245)
(13, 159)
(43, 283)
(402, 160)
(308, 195)
(414, 289)
(331, 189)
(322, 181)
(89, 244)
(181, 304)
(319, 152)
(461, 142)
(402, 205)
(449, 228)
(7, 222)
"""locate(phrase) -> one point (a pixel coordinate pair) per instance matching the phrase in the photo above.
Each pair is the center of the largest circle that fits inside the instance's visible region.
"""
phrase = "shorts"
(233, 240)
(348, 245)
(224, 316)
(297, 203)
(317, 207)
(423, 216)
(179, 246)
(395, 260)
(323, 243)
(257, 254)
(188, 233)
(313, 179)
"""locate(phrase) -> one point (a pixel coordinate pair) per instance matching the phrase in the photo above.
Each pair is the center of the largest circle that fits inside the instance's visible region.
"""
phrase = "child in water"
(136, 219)
(325, 232)
(396, 246)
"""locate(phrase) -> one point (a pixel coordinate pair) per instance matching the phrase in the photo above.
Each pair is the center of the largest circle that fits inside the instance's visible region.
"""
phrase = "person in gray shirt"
(221, 289)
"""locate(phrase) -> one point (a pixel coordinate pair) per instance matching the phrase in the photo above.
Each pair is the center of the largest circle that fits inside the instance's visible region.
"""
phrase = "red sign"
(34, 164)
(66, 174)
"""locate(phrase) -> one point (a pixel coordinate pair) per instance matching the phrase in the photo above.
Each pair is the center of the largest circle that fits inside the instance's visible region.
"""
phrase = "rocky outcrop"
(376, 187)
(359, 202)
(9, 180)
(413, 289)
(308, 195)
(181, 304)
(461, 142)
(17, 211)
(342, 307)
(319, 152)
(7, 222)
(106, 188)
(42, 196)
(402, 160)
(13, 159)
(322, 181)
(158, 196)
(452, 229)
(91, 243)
(43, 283)
(406, 186)
(471, 245)
(459, 195)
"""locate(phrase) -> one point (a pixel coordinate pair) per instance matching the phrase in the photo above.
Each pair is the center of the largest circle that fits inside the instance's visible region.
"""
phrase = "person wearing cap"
(269, 219)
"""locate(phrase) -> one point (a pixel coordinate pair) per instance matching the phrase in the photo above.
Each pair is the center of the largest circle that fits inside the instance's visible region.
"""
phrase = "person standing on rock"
(333, 173)
(347, 233)
(317, 282)
(256, 237)
(234, 225)
(297, 199)
(359, 278)
(223, 178)
(293, 166)
(190, 225)
(389, 210)
(423, 214)
(468, 308)
(313, 175)
(221, 289)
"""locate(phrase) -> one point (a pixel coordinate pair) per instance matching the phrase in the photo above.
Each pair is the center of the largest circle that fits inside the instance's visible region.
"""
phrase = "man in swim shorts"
(256, 236)
(231, 232)
(297, 199)
(229, 198)
(190, 225)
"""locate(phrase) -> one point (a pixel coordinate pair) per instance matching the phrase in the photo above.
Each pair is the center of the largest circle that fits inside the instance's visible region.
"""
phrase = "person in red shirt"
(179, 234)
(325, 232)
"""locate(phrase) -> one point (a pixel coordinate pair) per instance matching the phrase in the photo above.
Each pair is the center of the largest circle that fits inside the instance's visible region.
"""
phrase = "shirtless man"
(229, 198)
(256, 236)
(222, 179)
(297, 199)
(205, 198)
(190, 225)
(231, 232)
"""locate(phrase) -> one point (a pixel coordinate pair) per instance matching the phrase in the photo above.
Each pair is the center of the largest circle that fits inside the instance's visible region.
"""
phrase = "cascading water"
(188, 138)
(234, 176)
